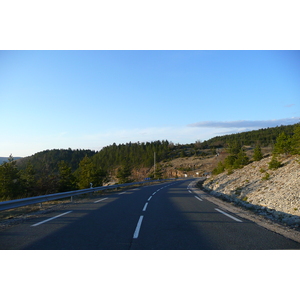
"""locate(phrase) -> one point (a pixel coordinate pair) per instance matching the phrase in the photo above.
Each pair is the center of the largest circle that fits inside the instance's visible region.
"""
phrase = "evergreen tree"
(274, 163)
(158, 174)
(182, 153)
(88, 173)
(123, 174)
(234, 147)
(257, 156)
(229, 161)
(10, 183)
(28, 181)
(296, 140)
(46, 183)
(283, 144)
(241, 160)
(67, 181)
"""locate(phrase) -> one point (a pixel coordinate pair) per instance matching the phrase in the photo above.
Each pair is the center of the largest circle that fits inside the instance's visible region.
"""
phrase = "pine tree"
(123, 174)
(241, 160)
(274, 163)
(257, 156)
(28, 181)
(296, 140)
(283, 144)
(158, 174)
(67, 181)
(229, 161)
(88, 173)
(10, 183)
(234, 147)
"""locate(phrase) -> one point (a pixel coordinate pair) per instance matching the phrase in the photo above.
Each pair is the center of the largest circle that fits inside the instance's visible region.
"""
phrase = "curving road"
(166, 216)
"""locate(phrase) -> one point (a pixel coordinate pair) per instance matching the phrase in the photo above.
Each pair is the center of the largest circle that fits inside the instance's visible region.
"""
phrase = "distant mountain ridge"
(5, 159)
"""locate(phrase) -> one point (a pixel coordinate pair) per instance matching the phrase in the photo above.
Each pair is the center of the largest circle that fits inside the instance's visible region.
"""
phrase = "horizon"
(73, 149)
(90, 99)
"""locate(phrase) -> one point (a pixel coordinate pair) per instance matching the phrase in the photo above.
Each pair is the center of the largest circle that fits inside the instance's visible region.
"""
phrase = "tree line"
(18, 183)
(265, 137)
(285, 144)
(53, 171)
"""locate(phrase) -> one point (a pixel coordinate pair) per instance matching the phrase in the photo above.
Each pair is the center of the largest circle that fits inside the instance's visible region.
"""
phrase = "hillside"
(59, 170)
(49, 159)
(275, 195)
(264, 136)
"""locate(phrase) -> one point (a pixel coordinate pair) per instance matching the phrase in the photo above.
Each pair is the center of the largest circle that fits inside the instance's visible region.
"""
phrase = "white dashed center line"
(145, 207)
(138, 227)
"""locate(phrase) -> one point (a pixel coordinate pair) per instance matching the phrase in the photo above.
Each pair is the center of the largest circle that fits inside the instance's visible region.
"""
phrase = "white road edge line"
(149, 198)
(138, 227)
(122, 193)
(145, 207)
(51, 218)
(224, 213)
(198, 198)
(100, 200)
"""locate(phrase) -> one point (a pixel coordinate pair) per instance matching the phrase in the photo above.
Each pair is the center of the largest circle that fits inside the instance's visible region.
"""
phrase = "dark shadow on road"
(173, 220)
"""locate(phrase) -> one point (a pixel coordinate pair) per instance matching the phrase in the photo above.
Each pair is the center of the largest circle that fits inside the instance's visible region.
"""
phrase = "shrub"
(230, 171)
(266, 177)
(274, 163)
(219, 169)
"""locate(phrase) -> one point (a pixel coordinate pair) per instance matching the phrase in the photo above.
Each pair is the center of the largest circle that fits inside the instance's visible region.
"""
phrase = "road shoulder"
(247, 214)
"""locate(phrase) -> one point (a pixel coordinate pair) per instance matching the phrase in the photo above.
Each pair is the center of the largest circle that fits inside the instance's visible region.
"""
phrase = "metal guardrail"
(40, 199)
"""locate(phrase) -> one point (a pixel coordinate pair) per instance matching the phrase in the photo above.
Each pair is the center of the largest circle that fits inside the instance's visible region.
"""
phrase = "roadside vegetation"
(53, 171)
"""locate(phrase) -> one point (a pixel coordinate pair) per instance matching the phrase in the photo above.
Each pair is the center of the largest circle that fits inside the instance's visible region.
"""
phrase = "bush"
(266, 177)
(274, 163)
(219, 169)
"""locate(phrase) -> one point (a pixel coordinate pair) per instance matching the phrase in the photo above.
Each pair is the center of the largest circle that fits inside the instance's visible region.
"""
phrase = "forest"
(265, 137)
(60, 170)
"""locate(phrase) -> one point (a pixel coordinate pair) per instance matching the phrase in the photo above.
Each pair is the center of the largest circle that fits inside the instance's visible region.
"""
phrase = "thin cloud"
(245, 123)
(289, 105)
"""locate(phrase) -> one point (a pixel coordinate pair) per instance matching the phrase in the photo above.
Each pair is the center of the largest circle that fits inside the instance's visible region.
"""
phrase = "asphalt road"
(165, 216)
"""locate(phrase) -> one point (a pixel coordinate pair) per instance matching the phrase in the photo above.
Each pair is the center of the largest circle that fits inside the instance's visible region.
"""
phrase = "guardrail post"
(71, 198)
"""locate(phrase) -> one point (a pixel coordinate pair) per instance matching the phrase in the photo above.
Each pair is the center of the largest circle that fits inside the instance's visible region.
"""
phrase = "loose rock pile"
(274, 193)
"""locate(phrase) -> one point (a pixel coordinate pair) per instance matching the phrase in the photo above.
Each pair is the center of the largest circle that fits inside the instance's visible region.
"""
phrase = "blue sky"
(91, 99)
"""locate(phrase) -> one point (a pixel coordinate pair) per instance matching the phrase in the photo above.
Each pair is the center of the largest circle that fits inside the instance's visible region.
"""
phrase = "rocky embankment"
(273, 193)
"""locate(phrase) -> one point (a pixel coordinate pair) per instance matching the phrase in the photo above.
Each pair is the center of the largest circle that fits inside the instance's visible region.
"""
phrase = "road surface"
(166, 216)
